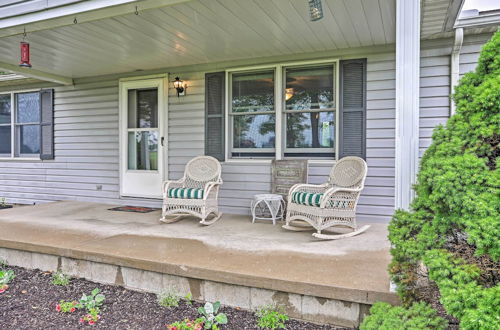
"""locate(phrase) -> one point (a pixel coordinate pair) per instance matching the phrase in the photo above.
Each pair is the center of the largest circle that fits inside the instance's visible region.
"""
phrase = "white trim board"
(407, 100)
(33, 73)
(85, 11)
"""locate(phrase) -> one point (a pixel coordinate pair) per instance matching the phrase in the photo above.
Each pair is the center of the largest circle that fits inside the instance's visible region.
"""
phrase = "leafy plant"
(418, 316)
(168, 299)
(211, 319)
(271, 317)
(92, 301)
(5, 277)
(67, 306)
(186, 325)
(59, 278)
(188, 298)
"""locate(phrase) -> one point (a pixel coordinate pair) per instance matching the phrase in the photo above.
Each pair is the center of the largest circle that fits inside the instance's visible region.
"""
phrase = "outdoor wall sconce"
(25, 55)
(180, 87)
(289, 93)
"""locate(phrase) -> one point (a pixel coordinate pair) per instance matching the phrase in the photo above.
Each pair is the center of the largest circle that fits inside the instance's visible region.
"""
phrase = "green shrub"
(457, 209)
(271, 317)
(168, 299)
(417, 316)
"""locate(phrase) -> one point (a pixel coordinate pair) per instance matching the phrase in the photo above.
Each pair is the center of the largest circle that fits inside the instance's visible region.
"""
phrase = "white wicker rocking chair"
(330, 204)
(195, 194)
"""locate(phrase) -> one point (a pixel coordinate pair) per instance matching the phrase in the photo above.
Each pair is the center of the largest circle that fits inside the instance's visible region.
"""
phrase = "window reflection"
(143, 150)
(310, 132)
(252, 97)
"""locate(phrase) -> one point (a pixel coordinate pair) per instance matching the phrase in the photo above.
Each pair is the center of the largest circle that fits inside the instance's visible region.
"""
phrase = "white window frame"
(279, 91)
(13, 130)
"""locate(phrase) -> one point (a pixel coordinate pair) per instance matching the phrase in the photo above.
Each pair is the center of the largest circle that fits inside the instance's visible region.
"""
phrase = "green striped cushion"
(305, 198)
(188, 193)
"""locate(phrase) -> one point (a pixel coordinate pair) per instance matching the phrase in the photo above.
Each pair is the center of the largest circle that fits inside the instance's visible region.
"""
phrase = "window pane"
(5, 109)
(309, 88)
(253, 92)
(253, 131)
(28, 107)
(5, 140)
(143, 108)
(143, 151)
(29, 139)
(310, 130)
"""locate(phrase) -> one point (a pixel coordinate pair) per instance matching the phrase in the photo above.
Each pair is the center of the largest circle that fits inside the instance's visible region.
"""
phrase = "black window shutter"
(47, 124)
(214, 115)
(352, 115)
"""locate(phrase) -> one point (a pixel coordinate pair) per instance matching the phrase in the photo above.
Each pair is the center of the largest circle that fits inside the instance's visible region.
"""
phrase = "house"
(261, 81)
(114, 97)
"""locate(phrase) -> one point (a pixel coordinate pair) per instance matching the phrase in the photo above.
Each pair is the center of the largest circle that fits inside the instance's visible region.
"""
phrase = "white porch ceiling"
(204, 31)
(177, 33)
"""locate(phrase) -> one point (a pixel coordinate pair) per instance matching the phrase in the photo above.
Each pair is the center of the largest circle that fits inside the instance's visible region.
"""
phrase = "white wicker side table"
(267, 207)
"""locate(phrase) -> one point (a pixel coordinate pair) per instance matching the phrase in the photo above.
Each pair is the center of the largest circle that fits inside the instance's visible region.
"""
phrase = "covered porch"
(239, 263)
(86, 51)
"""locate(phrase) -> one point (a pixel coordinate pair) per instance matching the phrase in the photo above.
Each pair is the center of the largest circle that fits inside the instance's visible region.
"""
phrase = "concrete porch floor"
(233, 250)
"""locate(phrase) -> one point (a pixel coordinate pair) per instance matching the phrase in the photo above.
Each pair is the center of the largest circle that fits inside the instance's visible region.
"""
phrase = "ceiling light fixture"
(315, 10)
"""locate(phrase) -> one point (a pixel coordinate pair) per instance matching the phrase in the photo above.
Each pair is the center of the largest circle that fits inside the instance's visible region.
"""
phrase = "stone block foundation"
(305, 307)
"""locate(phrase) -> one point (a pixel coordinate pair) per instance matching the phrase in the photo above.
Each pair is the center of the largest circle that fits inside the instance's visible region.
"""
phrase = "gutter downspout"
(455, 64)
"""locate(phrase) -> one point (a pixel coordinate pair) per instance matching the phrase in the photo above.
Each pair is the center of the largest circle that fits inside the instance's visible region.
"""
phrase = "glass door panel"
(142, 129)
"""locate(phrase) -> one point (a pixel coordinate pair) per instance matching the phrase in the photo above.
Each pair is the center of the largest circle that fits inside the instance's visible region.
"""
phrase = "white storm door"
(143, 113)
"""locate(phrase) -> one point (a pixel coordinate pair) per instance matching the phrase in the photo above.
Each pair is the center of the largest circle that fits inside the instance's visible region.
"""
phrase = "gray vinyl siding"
(243, 180)
(86, 165)
(469, 54)
(435, 88)
(434, 91)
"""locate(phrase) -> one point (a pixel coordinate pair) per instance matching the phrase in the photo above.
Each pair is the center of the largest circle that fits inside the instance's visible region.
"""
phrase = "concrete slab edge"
(322, 291)
(299, 306)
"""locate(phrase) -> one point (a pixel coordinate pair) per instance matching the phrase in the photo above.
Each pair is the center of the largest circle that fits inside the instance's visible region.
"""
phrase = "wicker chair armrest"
(209, 186)
(340, 194)
(172, 184)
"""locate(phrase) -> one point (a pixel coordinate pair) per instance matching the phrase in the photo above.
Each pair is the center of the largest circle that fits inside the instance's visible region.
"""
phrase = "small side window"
(5, 125)
(27, 124)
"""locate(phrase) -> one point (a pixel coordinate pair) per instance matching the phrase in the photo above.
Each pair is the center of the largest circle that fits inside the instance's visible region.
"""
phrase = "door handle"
(162, 140)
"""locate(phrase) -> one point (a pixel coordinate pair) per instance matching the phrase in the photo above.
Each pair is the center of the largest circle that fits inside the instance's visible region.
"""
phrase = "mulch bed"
(30, 302)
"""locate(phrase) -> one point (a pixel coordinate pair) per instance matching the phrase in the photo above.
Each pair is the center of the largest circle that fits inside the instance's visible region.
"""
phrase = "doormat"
(133, 209)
